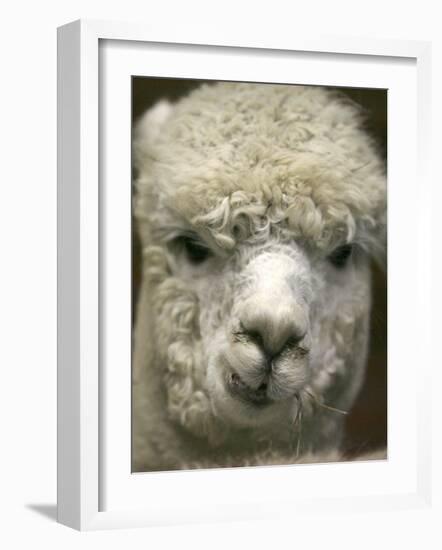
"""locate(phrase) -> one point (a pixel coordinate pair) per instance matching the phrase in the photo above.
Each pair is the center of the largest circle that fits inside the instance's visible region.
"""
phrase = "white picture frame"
(84, 466)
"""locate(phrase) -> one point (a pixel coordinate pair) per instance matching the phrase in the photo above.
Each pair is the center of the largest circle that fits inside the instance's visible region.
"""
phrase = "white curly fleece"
(270, 181)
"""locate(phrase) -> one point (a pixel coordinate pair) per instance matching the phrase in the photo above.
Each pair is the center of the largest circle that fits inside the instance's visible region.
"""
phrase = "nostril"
(293, 341)
(255, 336)
(242, 334)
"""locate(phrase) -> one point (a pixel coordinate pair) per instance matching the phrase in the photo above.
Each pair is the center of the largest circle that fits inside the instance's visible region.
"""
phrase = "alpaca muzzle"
(270, 332)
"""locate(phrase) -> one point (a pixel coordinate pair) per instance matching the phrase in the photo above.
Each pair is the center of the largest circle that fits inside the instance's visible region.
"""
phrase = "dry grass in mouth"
(313, 402)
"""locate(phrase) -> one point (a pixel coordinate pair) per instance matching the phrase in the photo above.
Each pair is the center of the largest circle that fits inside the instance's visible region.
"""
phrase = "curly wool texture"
(176, 309)
(251, 165)
(252, 156)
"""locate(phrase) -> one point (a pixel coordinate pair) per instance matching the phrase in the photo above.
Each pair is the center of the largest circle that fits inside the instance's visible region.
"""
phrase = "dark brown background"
(367, 422)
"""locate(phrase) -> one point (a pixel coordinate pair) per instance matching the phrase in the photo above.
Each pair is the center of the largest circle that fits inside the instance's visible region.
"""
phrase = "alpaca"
(258, 208)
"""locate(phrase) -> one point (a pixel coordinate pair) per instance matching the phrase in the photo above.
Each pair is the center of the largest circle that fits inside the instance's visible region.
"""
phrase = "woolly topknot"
(239, 158)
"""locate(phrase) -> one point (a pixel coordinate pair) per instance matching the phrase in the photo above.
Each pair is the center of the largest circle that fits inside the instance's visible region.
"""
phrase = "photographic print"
(258, 274)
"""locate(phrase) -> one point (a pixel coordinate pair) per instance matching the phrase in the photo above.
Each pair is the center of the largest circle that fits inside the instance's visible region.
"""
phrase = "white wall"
(28, 260)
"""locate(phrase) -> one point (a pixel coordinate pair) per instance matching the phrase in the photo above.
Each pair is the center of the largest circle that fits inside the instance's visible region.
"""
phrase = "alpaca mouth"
(238, 388)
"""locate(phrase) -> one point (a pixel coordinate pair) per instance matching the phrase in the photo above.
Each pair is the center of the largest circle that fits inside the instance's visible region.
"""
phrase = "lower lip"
(240, 390)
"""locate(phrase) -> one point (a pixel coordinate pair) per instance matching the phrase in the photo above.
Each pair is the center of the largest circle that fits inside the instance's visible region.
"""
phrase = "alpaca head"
(259, 207)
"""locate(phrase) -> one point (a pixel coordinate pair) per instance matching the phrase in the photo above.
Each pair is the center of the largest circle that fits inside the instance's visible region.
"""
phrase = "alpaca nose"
(273, 326)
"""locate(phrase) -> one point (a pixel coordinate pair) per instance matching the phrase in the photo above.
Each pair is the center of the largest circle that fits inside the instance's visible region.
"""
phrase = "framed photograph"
(235, 223)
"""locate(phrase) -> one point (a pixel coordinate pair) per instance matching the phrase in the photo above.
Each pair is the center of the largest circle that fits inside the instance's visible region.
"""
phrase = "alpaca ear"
(148, 128)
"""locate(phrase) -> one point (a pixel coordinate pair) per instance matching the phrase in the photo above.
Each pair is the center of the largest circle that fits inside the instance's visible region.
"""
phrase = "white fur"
(271, 179)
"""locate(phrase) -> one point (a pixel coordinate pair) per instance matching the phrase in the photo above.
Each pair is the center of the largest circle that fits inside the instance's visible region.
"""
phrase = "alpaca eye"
(340, 256)
(196, 252)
